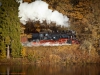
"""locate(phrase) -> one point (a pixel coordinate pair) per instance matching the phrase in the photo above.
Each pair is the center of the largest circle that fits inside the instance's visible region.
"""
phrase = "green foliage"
(9, 28)
(31, 57)
(2, 50)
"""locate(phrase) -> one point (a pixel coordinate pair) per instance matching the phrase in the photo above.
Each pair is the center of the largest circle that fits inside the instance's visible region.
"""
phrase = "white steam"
(38, 11)
(19, 1)
(31, 44)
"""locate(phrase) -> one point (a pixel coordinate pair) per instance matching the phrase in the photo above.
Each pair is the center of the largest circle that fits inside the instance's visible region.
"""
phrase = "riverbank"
(70, 54)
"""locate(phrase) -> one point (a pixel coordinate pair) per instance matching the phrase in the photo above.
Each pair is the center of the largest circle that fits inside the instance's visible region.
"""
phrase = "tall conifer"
(9, 28)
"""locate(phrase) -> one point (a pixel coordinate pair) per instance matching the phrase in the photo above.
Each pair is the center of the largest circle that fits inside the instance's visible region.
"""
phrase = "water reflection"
(91, 69)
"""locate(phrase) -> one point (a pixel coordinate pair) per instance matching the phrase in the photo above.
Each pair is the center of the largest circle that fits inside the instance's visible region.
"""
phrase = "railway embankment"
(66, 54)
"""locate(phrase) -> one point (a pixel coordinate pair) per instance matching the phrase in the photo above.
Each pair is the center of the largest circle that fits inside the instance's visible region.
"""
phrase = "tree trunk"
(8, 52)
(8, 71)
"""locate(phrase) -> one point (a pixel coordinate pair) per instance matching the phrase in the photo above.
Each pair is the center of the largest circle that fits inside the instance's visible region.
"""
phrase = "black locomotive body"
(70, 36)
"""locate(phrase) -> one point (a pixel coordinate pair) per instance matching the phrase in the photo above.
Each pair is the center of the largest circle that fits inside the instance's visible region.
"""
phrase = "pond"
(90, 69)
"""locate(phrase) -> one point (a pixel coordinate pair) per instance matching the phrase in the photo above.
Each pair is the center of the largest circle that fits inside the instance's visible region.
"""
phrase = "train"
(68, 37)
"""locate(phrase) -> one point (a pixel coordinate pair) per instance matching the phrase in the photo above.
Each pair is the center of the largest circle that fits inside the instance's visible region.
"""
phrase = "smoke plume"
(39, 11)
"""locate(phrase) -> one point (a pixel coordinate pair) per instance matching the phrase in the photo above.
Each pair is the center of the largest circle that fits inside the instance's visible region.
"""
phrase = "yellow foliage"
(23, 52)
(54, 58)
(78, 15)
(3, 54)
(38, 29)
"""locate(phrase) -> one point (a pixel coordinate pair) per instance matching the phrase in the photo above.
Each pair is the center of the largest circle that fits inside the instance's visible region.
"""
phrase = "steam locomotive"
(68, 37)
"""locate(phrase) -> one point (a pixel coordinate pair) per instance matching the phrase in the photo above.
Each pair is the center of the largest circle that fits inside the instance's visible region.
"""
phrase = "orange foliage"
(61, 54)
